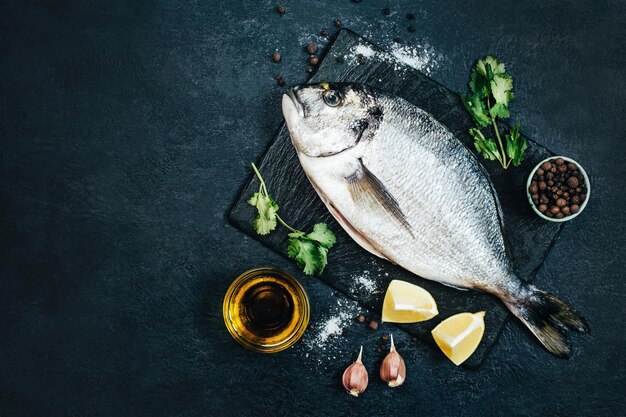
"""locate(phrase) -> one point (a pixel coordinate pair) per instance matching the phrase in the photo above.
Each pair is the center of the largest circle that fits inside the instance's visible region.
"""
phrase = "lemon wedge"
(458, 336)
(407, 303)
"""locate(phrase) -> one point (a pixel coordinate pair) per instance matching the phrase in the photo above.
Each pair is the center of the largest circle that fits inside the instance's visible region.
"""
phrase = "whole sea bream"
(405, 189)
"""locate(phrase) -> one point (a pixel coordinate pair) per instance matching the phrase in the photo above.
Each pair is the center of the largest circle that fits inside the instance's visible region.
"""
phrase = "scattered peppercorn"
(281, 10)
(281, 82)
(557, 188)
(278, 77)
(324, 33)
(374, 325)
(360, 59)
(314, 60)
(397, 39)
(311, 48)
(384, 338)
(414, 338)
(357, 1)
(386, 11)
(360, 318)
(339, 60)
(411, 29)
(410, 16)
(276, 57)
(310, 69)
(337, 23)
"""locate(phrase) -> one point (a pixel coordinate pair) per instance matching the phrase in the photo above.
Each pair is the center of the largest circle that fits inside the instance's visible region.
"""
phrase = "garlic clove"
(393, 369)
(355, 377)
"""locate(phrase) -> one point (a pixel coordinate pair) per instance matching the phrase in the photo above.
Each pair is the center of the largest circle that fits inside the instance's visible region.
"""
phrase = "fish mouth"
(291, 99)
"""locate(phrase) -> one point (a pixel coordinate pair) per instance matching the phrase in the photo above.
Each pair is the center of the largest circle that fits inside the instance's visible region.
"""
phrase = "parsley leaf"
(306, 254)
(477, 109)
(489, 64)
(491, 92)
(322, 234)
(310, 251)
(487, 147)
(267, 208)
(502, 88)
(515, 145)
(479, 84)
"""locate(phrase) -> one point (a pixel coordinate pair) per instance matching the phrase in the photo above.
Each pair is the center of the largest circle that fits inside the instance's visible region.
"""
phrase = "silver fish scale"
(446, 197)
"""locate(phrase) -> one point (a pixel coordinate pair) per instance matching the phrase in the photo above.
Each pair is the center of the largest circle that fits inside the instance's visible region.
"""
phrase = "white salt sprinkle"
(420, 57)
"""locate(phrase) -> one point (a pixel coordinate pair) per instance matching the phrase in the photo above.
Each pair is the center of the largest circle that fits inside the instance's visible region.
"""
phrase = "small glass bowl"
(232, 310)
(582, 206)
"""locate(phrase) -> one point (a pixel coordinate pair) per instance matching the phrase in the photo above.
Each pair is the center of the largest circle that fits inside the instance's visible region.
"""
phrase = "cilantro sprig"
(309, 250)
(492, 91)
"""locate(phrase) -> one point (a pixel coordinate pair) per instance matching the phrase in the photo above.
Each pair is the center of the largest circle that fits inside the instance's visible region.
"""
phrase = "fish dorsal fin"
(365, 188)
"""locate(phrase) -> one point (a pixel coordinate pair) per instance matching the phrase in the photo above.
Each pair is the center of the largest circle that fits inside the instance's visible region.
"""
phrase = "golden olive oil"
(266, 310)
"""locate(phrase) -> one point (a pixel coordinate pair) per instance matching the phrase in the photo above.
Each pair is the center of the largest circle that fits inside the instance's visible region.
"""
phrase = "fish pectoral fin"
(366, 189)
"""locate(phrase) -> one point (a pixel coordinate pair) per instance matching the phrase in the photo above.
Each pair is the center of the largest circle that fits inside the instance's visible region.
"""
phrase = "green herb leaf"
(487, 147)
(502, 88)
(477, 109)
(310, 251)
(265, 220)
(310, 257)
(492, 91)
(515, 145)
(499, 110)
(322, 235)
(306, 254)
(492, 62)
(479, 84)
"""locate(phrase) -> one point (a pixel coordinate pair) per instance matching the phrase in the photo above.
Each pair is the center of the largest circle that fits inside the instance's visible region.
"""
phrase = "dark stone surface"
(529, 238)
(126, 130)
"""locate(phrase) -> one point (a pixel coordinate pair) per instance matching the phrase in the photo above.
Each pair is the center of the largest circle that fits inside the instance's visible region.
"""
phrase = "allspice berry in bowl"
(558, 189)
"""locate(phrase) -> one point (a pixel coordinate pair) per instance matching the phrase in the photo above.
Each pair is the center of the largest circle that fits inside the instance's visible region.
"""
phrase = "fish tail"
(548, 318)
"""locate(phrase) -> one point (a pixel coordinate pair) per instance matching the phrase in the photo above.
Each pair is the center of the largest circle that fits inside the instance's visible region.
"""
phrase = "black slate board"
(529, 237)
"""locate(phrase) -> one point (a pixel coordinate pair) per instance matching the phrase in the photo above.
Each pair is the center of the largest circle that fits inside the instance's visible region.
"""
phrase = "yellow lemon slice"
(458, 336)
(407, 303)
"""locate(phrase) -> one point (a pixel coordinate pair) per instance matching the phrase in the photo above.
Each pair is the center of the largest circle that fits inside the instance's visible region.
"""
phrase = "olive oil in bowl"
(266, 310)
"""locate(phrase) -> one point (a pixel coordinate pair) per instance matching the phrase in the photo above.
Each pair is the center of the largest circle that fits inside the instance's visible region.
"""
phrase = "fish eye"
(332, 98)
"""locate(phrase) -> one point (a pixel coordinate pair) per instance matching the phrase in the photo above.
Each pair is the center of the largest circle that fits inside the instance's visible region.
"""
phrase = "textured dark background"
(126, 129)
